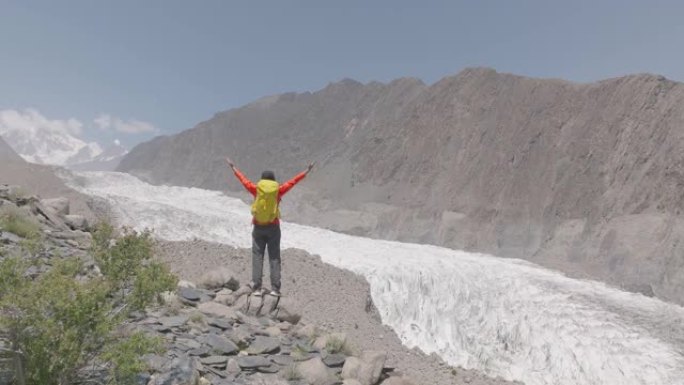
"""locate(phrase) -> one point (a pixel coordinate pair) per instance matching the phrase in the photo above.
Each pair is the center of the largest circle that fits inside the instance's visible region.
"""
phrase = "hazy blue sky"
(169, 64)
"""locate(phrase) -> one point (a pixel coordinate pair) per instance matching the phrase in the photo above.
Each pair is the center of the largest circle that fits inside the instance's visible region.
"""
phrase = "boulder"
(216, 361)
(334, 360)
(263, 345)
(397, 381)
(181, 371)
(217, 310)
(217, 278)
(59, 206)
(372, 363)
(351, 368)
(282, 360)
(76, 222)
(11, 192)
(225, 297)
(189, 294)
(233, 366)
(351, 381)
(49, 215)
(220, 344)
(314, 371)
(264, 380)
(253, 362)
(173, 321)
(220, 323)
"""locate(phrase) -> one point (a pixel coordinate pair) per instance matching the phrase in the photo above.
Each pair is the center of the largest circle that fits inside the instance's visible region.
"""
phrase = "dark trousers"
(263, 237)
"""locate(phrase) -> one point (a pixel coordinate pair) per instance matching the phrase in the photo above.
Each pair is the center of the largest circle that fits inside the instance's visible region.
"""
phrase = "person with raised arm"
(267, 193)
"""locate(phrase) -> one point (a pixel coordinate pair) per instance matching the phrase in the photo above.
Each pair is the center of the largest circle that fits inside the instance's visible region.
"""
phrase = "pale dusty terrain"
(326, 296)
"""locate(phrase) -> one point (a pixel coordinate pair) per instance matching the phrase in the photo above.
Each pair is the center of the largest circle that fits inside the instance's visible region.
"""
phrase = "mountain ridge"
(582, 177)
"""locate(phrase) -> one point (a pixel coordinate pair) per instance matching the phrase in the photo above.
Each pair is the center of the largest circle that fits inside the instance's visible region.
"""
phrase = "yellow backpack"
(265, 207)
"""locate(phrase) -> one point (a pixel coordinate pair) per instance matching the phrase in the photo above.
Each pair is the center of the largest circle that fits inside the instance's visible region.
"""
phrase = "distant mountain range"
(58, 147)
(108, 160)
(586, 178)
(7, 154)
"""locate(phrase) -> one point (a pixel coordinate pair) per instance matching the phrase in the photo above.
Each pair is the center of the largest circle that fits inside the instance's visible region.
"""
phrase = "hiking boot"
(259, 292)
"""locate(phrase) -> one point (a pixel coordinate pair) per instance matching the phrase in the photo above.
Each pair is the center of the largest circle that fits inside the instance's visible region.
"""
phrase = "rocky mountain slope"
(39, 179)
(7, 154)
(108, 160)
(586, 178)
(40, 141)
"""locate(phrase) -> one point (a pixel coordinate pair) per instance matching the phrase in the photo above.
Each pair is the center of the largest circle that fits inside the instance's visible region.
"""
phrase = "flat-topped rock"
(220, 361)
(220, 344)
(220, 323)
(189, 293)
(334, 360)
(263, 345)
(253, 362)
(173, 321)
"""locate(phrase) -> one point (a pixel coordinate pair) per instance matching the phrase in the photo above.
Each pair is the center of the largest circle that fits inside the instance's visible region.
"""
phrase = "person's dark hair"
(270, 175)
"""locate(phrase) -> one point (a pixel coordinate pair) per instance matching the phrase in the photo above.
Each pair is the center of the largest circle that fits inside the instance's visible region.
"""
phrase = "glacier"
(505, 317)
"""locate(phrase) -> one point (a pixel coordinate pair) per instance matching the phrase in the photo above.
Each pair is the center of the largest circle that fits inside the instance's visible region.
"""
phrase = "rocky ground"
(334, 300)
(324, 330)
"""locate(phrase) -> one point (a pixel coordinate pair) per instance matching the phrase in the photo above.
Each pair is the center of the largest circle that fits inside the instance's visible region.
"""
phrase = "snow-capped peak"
(41, 140)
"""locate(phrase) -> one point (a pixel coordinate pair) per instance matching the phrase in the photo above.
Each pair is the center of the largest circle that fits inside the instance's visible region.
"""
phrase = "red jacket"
(284, 188)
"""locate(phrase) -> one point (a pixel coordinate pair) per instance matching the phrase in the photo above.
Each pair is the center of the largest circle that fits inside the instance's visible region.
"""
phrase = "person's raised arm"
(249, 186)
(287, 186)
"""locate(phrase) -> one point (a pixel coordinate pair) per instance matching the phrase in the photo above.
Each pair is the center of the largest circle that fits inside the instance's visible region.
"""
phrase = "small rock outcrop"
(248, 343)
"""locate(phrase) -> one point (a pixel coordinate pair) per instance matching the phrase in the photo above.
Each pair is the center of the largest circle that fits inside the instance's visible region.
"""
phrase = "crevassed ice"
(505, 317)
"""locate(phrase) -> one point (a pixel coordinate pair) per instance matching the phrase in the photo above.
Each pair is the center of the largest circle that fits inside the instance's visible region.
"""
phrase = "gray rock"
(218, 361)
(268, 369)
(334, 360)
(233, 366)
(59, 206)
(351, 381)
(221, 344)
(142, 379)
(282, 360)
(76, 222)
(173, 321)
(181, 371)
(154, 362)
(217, 310)
(253, 362)
(7, 237)
(372, 363)
(220, 323)
(263, 345)
(351, 368)
(219, 277)
(189, 294)
(314, 371)
(187, 343)
(397, 381)
(201, 351)
(52, 218)
(240, 335)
